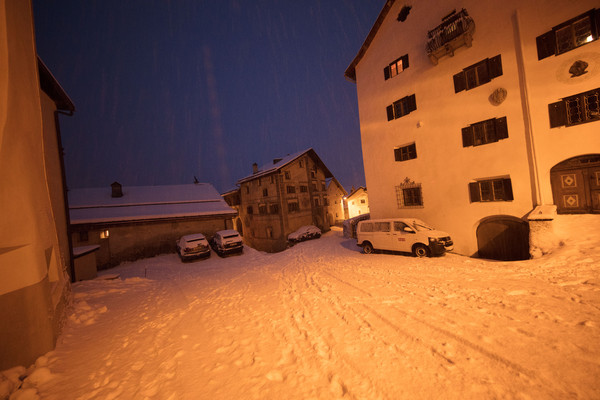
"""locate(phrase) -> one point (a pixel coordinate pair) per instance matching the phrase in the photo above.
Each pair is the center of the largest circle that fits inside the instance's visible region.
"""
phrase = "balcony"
(456, 30)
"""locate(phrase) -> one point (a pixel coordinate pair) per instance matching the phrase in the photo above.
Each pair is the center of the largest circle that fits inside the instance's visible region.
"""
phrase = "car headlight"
(433, 240)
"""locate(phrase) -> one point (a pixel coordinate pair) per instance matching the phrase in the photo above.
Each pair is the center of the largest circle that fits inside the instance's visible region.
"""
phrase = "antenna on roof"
(196, 179)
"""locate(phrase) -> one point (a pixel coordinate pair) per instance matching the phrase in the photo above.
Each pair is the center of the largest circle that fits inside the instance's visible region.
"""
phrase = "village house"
(358, 202)
(479, 117)
(35, 254)
(128, 223)
(336, 210)
(280, 197)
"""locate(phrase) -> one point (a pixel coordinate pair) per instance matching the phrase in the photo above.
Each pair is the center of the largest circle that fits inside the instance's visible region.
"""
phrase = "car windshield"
(421, 226)
(195, 240)
(230, 236)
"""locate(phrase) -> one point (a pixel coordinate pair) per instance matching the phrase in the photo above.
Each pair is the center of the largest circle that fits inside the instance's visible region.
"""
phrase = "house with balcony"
(478, 116)
(280, 197)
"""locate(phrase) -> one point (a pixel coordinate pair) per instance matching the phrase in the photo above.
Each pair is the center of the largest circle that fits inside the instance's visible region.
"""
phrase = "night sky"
(168, 90)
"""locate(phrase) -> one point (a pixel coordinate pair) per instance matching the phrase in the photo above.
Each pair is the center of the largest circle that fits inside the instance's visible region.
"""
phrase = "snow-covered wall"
(443, 167)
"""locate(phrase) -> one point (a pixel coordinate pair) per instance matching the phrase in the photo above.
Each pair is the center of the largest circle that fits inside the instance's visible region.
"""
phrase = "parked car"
(193, 246)
(349, 225)
(227, 242)
(408, 235)
(304, 233)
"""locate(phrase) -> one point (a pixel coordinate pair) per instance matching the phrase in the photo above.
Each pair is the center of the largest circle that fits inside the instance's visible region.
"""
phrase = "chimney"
(276, 160)
(117, 189)
(254, 168)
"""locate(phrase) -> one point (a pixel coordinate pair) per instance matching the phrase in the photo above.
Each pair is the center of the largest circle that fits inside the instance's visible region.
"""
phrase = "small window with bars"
(574, 110)
(409, 195)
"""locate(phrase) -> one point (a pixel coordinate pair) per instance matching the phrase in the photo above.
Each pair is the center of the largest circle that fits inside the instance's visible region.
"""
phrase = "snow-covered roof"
(282, 162)
(356, 191)
(94, 205)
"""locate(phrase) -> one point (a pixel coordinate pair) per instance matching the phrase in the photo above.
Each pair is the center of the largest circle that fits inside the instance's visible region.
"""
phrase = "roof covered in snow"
(279, 163)
(93, 205)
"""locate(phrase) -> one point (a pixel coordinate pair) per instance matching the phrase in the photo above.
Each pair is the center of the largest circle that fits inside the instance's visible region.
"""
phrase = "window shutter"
(495, 66)
(501, 128)
(474, 192)
(386, 72)
(397, 155)
(596, 19)
(405, 61)
(558, 114)
(412, 149)
(508, 193)
(399, 111)
(390, 112)
(459, 82)
(467, 136)
(412, 103)
(546, 45)
(483, 74)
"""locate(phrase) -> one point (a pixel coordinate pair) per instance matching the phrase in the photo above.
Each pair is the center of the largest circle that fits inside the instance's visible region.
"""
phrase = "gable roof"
(52, 88)
(276, 166)
(335, 181)
(94, 205)
(356, 191)
(350, 72)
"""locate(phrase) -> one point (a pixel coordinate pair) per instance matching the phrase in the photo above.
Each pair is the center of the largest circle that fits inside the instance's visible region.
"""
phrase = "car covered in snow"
(193, 246)
(305, 232)
(227, 242)
(408, 235)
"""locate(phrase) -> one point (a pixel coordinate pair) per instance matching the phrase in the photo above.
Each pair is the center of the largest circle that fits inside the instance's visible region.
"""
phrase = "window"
(104, 234)
(395, 67)
(483, 132)
(287, 175)
(313, 174)
(408, 194)
(323, 186)
(375, 227)
(363, 201)
(578, 109)
(265, 192)
(301, 164)
(272, 178)
(401, 107)
(325, 201)
(313, 185)
(247, 189)
(293, 206)
(404, 153)
(569, 35)
(262, 209)
(478, 74)
(491, 190)
(274, 208)
(249, 210)
(291, 189)
(316, 202)
(303, 188)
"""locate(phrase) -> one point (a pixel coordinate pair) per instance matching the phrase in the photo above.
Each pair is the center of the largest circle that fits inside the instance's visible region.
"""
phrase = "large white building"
(475, 113)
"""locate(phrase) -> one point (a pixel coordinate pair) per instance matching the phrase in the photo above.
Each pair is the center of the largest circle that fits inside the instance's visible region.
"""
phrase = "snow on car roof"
(145, 202)
(228, 232)
(192, 237)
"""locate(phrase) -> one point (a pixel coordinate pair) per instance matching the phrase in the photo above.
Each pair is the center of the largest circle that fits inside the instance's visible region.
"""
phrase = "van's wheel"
(367, 248)
(420, 250)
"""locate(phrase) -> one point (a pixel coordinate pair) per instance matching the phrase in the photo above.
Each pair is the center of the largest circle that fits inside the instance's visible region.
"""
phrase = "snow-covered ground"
(321, 321)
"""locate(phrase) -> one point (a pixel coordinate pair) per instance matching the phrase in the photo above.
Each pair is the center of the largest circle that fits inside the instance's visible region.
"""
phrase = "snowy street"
(321, 320)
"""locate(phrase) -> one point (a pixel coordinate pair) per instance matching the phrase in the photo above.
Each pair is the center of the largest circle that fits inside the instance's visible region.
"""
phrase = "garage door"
(576, 185)
(503, 238)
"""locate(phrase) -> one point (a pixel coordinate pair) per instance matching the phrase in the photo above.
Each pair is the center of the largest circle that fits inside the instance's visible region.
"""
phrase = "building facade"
(35, 254)
(475, 113)
(280, 197)
(129, 223)
(336, 195)
(358, 202)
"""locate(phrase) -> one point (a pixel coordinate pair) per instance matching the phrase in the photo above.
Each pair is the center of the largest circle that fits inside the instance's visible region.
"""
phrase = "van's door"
(401, 240)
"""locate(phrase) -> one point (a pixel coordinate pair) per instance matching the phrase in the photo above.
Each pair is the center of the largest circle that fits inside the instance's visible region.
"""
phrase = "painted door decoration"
(576, 185)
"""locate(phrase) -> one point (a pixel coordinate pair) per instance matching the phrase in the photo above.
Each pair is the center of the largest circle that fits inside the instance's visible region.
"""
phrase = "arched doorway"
(576, 185)
(503, 238)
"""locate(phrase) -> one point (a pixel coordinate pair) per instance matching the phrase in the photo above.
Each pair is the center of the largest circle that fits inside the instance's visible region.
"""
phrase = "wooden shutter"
(501, 128)
(483, 73)
(459, 82)
(508, 193)
(596, 23)
(474, 192)
(386, 72)
(495, 66)
(397, 154)
(467, 136)
(390, 112)
(411, 102)
(546, 45)
(405, 61)
(412, 151)
(400, 111)
(558, 114)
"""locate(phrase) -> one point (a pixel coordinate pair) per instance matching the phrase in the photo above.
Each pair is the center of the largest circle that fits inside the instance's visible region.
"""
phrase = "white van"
(409, 235)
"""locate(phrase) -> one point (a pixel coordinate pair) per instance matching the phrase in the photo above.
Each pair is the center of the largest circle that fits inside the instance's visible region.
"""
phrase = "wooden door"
(503, 238)
(569, 190)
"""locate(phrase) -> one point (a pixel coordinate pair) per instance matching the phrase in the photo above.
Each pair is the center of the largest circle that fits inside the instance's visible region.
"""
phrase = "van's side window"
(366, 227)
(382, 226)
(399, 226)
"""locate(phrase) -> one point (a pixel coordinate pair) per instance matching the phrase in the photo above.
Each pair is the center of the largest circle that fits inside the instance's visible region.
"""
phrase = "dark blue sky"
(168, 90)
